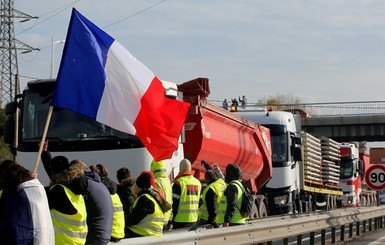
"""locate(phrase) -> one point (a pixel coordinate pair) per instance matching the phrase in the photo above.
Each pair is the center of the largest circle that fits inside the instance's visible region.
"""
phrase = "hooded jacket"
(125, 193)
(233, 172)
(74, 179)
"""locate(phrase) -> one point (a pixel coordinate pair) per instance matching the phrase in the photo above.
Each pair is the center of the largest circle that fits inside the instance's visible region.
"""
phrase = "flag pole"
(47, 122)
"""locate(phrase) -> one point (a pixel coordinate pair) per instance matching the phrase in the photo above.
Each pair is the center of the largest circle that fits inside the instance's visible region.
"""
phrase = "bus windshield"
(64, 126)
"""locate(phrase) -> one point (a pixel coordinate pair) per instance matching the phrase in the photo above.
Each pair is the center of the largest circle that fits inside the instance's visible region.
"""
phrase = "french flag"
(100, 79)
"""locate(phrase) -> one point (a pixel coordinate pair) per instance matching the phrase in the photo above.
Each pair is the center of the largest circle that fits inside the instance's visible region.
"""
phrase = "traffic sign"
(375, 177)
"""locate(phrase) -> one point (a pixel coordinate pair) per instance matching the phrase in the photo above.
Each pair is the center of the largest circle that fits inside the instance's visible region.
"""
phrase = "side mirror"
(10, 108)
(297, 154)
(9, 130)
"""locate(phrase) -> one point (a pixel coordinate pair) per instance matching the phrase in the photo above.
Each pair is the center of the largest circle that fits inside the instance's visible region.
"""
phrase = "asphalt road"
(372, 238)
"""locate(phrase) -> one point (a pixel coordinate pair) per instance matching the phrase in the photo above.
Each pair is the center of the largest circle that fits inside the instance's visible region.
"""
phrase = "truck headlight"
(280, 200)
(350, 199)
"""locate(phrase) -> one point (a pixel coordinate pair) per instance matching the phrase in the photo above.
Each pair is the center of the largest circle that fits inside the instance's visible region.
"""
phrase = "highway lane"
(373, 238)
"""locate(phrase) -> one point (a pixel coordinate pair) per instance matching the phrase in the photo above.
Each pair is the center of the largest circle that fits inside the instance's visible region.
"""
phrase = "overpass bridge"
(346, 121)
(341, 121)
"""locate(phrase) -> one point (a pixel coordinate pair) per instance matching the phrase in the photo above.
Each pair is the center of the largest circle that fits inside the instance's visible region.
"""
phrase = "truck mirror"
(10, 108)
(361, 168)
(9, 130)
(297, 154)
(297, 140)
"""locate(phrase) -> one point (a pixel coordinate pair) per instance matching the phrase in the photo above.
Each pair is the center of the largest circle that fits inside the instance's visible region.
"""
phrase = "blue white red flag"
(100, 79)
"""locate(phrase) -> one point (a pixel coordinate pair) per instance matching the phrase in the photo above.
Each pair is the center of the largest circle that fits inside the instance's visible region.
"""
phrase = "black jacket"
(144, 207)
(125, 194)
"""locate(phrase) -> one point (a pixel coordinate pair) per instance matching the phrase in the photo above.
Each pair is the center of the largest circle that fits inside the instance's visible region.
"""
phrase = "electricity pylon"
(9, 79)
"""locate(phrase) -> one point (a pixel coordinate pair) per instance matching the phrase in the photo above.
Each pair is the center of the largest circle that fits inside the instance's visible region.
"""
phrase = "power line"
(60, 10)
(137, 13)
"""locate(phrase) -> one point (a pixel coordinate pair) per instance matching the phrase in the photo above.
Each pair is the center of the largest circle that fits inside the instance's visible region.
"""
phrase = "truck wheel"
(262, 210)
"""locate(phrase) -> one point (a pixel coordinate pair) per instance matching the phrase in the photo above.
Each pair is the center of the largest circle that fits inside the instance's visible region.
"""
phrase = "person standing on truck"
(230, 203)
(66, 201)
(210, 199)
(118, 222)
(163, 184)
(126, 181)
(24, 212)
(186, 192)
(146, 217)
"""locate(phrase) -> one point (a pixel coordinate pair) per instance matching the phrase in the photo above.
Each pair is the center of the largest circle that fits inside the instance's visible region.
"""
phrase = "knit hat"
(184, 165)
(145, 180)
(58, 164)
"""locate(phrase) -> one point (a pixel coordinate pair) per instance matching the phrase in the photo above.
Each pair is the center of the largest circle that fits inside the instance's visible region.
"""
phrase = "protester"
(3, 167)
(66, 201)
(100, 210)
(243, 101)
(97, 198)
(234, 105)
(163, 184)
(225, 105)
(230, 203)
(146, 217)
(210, 199)
(118, 221)
(186, 192)
(126, 181)
(24, 211)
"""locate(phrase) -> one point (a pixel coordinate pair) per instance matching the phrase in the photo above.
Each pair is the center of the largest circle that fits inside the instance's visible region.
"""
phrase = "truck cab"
(283, 188)
(350, 174)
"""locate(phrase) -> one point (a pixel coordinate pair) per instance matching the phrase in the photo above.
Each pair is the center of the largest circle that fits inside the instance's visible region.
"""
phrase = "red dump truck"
(210, 133)
(222, 137)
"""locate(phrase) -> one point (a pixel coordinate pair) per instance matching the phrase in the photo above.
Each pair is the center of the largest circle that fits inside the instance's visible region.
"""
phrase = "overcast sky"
(320, 51)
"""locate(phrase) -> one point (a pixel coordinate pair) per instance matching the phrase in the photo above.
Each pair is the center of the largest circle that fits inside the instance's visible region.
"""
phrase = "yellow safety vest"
(152, 224)
(165, 186)
(188, 208)
(218, 187)
(70, 229)
(118, 222)
(237, 218)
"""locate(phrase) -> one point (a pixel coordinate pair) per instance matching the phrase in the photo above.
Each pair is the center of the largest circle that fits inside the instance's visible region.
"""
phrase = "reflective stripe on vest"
(237, 218)
(165, 186)
(71, 229)
(152, 224)
(188, 208)
(118, 222)
(218, 187)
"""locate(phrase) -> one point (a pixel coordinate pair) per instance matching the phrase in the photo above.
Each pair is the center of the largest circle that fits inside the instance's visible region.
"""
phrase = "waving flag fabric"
(100, 79)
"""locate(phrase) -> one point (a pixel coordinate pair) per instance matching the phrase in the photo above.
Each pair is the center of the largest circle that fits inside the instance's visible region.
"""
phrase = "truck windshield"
(279, 147)
(65, 125)
(346, 169)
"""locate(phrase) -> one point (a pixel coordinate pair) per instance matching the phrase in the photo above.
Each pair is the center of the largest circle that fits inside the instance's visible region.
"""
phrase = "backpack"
(247, 201)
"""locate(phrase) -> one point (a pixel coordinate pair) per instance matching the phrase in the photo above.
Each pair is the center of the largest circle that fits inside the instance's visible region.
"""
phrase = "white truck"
(297, 184)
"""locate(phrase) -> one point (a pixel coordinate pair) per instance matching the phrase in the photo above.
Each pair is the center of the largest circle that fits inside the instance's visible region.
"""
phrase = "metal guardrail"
(322, 109)
(275, 229)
